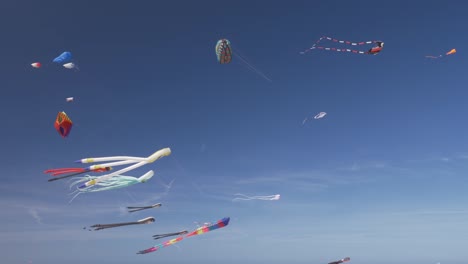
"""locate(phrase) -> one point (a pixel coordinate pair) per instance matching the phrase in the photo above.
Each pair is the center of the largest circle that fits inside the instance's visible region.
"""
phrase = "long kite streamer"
(170, 234)
(374, 51)
(201, 230)
(139, 208)
(147, 220)
(119, 181)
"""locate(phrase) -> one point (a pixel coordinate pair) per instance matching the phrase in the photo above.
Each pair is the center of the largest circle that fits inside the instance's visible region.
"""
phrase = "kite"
(373, 51)
(317, 116)
(340, 261)
(123, 160)
(170, 234)
(320, 115)
(147, 220)
(264, 198)
(36, 64)
(452, 51)
(118, 181)
(63, 124)
(70, 65)
(65, 57)
(223, 51)
(69, 99)
(204, 229)
(118, 161)
(72, 172)
(132, 209)
(107, 167)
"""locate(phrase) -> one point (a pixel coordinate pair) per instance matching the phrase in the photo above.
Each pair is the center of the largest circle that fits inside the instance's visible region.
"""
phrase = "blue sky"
(382, 178)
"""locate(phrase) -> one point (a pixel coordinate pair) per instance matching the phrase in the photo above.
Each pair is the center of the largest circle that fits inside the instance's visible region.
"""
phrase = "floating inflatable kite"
(70, 65)
(204, 229)
(63, 58)
(452, 51)
(340, 261)
(119, 160)
(147, 220)
(223, 51)
(69, 99)
(116, 182)
(123, 160)
(36, 65)
(373, 51)
(63, 124)
(132, 209)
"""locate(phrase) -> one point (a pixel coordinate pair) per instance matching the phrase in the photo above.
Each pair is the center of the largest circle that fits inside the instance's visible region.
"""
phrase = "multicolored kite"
(223, 51)
(220, 224)
(63, 124)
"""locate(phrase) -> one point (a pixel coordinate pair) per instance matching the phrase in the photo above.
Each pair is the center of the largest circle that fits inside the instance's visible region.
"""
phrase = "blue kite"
(64, 57)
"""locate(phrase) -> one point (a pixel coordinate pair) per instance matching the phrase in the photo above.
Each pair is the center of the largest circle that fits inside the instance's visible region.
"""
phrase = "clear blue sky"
(382, 178)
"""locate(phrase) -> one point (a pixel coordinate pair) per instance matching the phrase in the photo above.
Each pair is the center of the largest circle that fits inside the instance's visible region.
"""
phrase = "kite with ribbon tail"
(116, 161)
(452, 51)
(116, 182)
(373, 51)
(201, 230)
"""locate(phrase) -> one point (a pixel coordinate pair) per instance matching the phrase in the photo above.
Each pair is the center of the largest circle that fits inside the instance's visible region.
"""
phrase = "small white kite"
(69, 99)
(318, 116)
(71, 66)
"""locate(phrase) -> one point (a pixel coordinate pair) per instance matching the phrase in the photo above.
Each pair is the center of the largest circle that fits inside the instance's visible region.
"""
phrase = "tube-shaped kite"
(124, 160)
(340, 261)
(147, 220)
(201, 230)
(132, 209)
(170, 234)
(118, 181)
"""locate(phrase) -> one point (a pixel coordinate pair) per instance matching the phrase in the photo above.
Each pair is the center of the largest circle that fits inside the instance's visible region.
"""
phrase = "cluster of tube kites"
(115, 180)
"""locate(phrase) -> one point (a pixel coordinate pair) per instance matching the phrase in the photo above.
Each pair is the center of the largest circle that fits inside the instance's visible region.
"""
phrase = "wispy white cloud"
(33, 212)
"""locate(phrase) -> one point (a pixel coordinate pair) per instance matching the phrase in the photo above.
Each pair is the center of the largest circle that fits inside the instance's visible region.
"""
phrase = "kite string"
(251, 67)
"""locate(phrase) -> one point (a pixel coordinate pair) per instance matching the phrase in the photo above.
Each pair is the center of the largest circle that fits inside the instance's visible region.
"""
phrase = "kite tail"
(346, 42)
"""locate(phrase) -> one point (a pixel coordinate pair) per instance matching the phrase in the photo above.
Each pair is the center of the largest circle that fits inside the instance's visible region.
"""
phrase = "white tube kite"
(123, 161)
